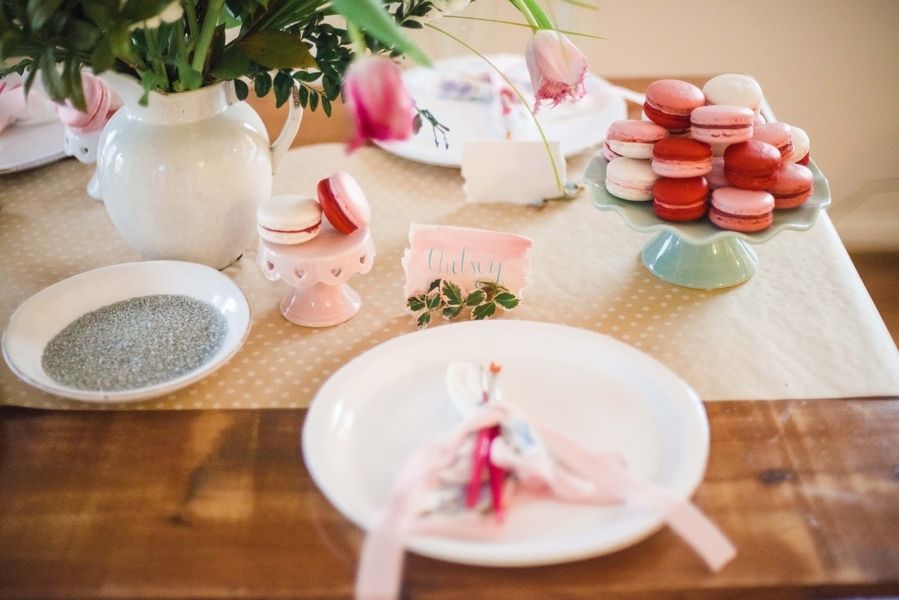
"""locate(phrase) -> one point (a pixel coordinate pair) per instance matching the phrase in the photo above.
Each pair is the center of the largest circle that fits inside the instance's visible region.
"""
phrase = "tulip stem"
(532, 22)
(210, 20)
(502, 22)
(531, 6)
(524, 102)
(356, 37)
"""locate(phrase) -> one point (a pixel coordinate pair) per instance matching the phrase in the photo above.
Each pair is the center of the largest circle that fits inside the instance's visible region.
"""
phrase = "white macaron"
(289, 219)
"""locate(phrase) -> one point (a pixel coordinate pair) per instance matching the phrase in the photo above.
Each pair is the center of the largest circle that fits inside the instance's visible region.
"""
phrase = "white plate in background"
(24, 147)
(578, 126)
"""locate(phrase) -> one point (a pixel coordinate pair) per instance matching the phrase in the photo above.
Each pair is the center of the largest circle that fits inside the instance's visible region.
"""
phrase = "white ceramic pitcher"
(182, 177)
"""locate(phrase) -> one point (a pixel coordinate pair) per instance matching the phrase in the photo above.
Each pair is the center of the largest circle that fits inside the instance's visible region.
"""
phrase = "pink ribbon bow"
(558, 467)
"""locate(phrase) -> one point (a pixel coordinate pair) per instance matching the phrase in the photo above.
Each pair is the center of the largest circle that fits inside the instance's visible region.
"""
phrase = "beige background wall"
(828, 66)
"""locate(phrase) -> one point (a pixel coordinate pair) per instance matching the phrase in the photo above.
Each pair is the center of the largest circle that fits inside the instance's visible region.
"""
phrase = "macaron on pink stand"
(318, 266)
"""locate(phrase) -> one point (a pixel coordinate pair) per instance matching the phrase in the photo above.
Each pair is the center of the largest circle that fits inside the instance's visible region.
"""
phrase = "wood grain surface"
(216, 504)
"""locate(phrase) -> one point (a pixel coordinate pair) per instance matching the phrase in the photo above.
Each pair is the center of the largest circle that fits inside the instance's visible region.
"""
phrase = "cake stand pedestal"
(317, 273)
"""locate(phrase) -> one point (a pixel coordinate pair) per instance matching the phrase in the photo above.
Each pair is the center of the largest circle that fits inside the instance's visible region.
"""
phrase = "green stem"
(525, 13)
(192, 24)
(524, 102)
(357, 38)
(500, 21)
(578, 3)
(151, 35)
(542, 20)
(210, 21)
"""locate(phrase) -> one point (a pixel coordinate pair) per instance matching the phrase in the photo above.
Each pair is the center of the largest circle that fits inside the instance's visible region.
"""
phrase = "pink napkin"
(12, 100)
(542, 462)
(101, 103)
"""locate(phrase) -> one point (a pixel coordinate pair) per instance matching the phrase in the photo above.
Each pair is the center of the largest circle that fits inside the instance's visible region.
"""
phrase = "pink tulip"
(557, 68)
(378, 100)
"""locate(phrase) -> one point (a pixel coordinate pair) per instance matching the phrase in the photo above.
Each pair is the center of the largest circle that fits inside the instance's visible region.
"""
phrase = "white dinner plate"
(41, 317)
(578, 126)
(376, 410)
(24, 147)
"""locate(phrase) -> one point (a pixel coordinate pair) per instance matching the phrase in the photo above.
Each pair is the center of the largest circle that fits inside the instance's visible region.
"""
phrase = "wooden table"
(210, 504)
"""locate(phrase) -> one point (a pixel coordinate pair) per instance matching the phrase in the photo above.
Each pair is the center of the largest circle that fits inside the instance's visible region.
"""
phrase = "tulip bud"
(557, 68)
(378, 100)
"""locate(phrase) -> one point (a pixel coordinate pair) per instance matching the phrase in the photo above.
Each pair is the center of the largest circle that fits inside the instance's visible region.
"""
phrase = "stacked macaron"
(709, 140)
(293, 219)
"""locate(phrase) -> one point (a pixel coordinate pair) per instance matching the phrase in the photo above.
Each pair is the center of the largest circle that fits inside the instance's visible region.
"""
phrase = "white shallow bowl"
(377, 409)
(46, 313)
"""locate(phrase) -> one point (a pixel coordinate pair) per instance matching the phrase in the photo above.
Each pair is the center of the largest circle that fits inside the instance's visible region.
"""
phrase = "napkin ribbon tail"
(381, 562)
(691, 525)
(609, 474)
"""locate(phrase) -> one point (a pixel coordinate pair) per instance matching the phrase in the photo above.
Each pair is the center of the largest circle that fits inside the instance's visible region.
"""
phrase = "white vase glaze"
(182, 177)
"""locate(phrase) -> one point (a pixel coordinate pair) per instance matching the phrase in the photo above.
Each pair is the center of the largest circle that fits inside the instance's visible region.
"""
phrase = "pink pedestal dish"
(318, 272)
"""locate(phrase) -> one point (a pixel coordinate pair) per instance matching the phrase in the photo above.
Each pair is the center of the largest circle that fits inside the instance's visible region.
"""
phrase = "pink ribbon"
(568, 471)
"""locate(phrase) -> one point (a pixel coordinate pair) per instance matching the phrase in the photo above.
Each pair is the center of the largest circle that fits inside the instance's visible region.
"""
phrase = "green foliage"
(291, 37)
(371, 16)
(451, 301)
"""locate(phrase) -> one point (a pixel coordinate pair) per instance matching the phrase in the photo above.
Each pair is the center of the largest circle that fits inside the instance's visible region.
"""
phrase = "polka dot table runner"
(803, 327)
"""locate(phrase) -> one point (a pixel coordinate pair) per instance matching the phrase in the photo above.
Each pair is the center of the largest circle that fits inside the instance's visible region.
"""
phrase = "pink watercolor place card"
(465, 256)
(515, 172)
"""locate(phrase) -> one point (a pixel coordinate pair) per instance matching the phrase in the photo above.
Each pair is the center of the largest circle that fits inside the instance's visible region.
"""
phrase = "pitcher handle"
(289, 131)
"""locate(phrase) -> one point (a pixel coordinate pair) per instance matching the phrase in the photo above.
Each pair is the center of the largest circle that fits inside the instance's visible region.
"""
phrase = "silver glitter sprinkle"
(135, 343)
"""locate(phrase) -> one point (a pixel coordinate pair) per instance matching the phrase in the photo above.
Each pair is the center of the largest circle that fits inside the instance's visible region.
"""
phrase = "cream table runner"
(803, 327)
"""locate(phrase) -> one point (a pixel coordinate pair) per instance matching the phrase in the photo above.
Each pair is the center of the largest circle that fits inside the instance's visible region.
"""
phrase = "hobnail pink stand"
(318, 272)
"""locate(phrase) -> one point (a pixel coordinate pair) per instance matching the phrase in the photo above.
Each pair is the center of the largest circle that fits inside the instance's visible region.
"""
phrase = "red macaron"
(343, 202)
(681, 157)
(752, 165)
(684, 199)
(793, 187)
(669, 103)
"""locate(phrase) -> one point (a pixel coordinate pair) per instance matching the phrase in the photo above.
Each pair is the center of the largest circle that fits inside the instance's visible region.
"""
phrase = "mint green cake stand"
(699, 255)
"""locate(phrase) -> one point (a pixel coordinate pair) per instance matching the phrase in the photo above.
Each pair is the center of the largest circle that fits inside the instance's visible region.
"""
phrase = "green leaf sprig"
(273, 45)
(451, 301)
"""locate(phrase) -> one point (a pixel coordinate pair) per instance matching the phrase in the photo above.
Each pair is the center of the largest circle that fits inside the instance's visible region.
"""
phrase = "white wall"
(828, 66)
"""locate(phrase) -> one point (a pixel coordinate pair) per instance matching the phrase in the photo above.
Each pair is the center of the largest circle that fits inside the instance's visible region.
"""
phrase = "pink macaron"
(777, 134)
(721, 124)
(741, 210)
(681, 157)
(793, 187)
(716, 177)
(633, 138)
(669, 103)
(343, 202)
(608, 153)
